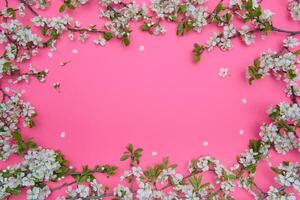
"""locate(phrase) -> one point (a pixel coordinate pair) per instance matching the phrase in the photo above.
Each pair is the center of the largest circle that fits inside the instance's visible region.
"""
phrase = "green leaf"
(62, 8)
(125, 40)
(11, 12)
(219, 8)
(195, 182)
(182, 8)
(227, 18)
(276, 170)
(257, 12)
(107, 36)
(230, 176)
(249, 5)
(130, 148)
(253, 72)
(267, 27)
(283, 124)
(43, 30)
(13, 191)
(197, 51)
(251, 168)
(286, 163)
(274, 114)
(144, 27)
(124, 157)
(257, 62)
(180, 29)
(29, 144)
(70, 6)
(17, 136)
(255, 145)
(291, 74)
(189, 25)
(297, 52)
(138, 151)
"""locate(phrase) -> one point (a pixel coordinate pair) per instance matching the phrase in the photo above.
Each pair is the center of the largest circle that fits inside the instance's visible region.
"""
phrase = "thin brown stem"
(4, 95)
(294, 96)
(84, 30)
(285, 31)
(29, 7)
(281, 189)
(62, 186)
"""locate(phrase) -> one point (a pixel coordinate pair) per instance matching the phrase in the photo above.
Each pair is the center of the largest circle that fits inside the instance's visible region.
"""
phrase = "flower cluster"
(282, 133)
(93, 188)
(21, 43)
(12, 111)
(41, 4)
(274, 193)
(288, 174)
(282, 64)
(39, 165)
(294, 7)
(119, 18)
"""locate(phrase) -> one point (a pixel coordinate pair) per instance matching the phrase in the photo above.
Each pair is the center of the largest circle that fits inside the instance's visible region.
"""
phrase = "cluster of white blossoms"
(122, 192)
(32, 72)
(222, 40)
(58, 24)
(176, 185)
(92, 189)
(288, 112)
(246, 35)
(20, 45)
(253, 16)
(42, 164)
(197, 16)
(38, 166)
(6, 67)
(165, 9)
(41, 4)
(38, 193)
(248, 158)
(294, 7)
(290, 42)
(224, 177)
(119, 18)
(283, 143)
(288, 175)
(20, 34)
(281, 133)
(283, 65)
(274, 194)
(240, 3)
(20, 42)
(12, 111)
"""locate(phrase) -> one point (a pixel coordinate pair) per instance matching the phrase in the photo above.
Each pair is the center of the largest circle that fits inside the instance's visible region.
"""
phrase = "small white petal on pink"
(63, 134)
(154, 153)
(242, 132)
(75, 51)
(141, 48)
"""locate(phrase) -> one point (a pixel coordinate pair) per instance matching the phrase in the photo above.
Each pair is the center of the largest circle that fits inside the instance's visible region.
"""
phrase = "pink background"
(157, 99)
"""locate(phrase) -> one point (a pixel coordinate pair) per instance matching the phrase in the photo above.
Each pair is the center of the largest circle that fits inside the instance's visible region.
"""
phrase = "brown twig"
(294, 96)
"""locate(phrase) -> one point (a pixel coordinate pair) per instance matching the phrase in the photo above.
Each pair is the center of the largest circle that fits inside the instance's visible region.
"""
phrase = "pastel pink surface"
(157, 99)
